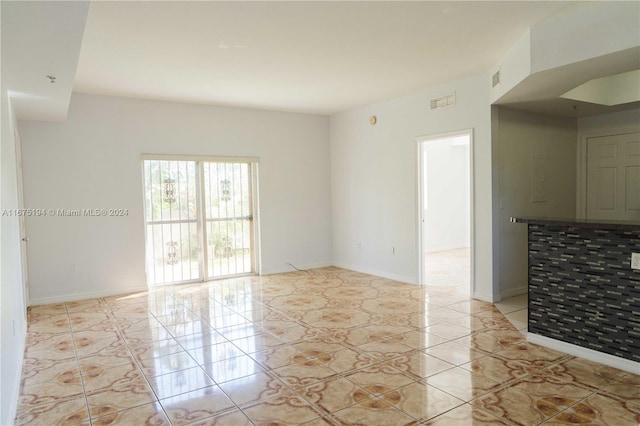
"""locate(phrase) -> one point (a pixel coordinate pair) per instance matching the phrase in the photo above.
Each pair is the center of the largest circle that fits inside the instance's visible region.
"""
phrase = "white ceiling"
(312, 57)
(40, 39)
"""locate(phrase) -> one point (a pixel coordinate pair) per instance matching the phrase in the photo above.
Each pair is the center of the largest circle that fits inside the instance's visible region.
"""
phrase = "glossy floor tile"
(320, 347)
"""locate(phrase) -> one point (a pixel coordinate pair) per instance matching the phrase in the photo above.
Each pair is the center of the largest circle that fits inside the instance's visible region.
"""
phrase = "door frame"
(22, 222)
(581, 187)
(419, 197)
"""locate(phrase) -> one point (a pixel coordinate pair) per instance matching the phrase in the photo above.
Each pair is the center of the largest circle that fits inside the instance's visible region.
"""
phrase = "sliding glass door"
(228, 218)
(199, 219)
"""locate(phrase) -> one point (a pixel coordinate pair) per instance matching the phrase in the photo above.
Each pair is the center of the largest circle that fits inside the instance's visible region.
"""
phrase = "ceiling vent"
(444, 101)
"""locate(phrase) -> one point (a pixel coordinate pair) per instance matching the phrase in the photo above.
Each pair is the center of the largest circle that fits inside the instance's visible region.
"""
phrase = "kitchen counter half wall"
(584, 298)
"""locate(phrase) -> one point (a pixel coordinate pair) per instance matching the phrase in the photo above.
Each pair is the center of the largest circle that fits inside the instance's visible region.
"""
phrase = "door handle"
(25, 239)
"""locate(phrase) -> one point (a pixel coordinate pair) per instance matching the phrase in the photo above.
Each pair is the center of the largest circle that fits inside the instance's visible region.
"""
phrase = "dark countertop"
(579, 223)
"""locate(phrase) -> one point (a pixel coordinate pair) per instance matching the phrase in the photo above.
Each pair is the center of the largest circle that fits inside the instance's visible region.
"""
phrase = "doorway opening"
(445, 210)
(199, 219)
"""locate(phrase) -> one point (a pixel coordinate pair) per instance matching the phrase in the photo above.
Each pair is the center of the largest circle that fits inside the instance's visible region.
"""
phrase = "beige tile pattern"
(322, 347)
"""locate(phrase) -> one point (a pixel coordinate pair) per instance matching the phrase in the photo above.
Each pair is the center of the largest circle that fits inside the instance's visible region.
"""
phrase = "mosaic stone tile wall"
(582, 289)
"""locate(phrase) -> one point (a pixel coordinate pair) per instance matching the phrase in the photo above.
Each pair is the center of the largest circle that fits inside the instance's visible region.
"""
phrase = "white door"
(21, 218)
(613, 177)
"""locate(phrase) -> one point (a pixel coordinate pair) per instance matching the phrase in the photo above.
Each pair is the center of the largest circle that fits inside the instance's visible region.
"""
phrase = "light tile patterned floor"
(448, 268)
(323, 347)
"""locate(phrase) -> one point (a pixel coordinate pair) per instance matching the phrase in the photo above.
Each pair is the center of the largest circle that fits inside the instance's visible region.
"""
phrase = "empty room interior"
(321, 213)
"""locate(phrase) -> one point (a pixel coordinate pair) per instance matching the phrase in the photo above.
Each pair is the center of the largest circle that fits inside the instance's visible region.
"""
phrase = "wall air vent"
(495, 80)
(444, 101)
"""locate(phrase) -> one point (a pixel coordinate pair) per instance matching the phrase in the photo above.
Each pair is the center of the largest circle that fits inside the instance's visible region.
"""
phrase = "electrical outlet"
(635, 261)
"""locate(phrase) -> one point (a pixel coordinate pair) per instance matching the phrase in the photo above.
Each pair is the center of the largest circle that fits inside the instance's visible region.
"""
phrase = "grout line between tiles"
(177, 300)
(75, 353)
(131, 355)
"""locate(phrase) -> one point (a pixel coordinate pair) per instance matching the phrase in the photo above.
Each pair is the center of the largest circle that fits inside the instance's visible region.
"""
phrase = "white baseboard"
(15, 388)
(114, 292)
(590, 354)
(495, 298)
(514, 291)
(491, 298)
(400, 278)
(287, 268)
(86, 295)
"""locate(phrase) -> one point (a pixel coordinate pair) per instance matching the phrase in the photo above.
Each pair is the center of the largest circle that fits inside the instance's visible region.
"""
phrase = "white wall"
(535, 163)
(447, 216)
(596, 29)
(374, 180)
(514, 67)
(616, 89)
(13, 325)
(624, 120)
(92, 160)
(587, 31)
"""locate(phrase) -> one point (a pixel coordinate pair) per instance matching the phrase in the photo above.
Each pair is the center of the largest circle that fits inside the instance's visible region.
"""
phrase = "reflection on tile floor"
(323, 347)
